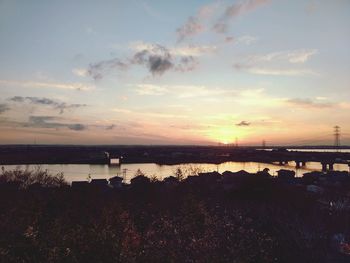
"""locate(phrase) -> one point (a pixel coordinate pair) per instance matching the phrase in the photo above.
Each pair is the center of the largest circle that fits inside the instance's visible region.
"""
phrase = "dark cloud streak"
(61, 106)
(4, 108)
(156, 58)
(243, 124)
(308, 103)
(51, 123)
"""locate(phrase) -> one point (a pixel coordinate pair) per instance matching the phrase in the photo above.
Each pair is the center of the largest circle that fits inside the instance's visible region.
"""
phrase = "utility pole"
(124, 174)
(337, 137)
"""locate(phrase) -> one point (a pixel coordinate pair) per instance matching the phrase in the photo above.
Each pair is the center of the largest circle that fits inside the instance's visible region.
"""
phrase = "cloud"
(110, 127)
(61, 106)
(51, 123)
(235, 10)
(274, 71)
(259, 64)
(191, 28)
(187, 64)
(97, 70)
(195, 24)
(292, 56)
(183, 50)
(308, 103)
(4, 108)
(243, 124)
(149, 89)
(77, 127)
(156, 58)
(247, 39)
(80, 72)
(120, 110)
(208, 16)
(53, 85)
(181, 91)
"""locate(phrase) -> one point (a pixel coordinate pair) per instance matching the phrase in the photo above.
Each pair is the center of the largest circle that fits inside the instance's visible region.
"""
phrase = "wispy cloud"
(191, 28)
(97, 70)
(51, 123)
(196, 24)
(53, 85)
(61, 106)
(309, 104)
(278, 63)
(183, 50)
(215, 17)
(292, 56)
(150, 89)
(275, 72)
(235, 10)
(181, 91)
(80, 72)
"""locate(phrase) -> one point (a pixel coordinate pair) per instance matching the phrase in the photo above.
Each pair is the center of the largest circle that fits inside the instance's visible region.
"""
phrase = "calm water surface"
(76, 172)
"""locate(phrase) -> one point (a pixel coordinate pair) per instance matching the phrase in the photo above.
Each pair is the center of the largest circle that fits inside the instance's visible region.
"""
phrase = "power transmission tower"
(337, 137)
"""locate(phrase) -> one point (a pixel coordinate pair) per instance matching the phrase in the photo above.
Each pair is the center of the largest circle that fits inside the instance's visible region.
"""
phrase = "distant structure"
(124, 174)
(337, 137)
(114, 159)
(263, 144)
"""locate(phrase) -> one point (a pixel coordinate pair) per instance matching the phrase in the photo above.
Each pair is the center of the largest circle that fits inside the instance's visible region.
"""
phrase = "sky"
(174, 72)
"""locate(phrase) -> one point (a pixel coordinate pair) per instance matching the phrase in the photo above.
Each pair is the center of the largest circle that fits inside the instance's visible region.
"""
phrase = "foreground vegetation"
(231, 218)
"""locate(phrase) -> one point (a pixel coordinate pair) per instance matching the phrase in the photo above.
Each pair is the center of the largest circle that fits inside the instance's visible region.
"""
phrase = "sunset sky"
(174, 72)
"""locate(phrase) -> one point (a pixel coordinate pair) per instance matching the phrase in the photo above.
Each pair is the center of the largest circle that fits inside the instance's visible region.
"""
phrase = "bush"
(27, 177)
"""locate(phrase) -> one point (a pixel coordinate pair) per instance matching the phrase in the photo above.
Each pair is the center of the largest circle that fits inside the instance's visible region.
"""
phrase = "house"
(140, 180)
(116, 181)
(79, 184)
(99, 182)
(285, 174)
(311, 177)
(264, 173)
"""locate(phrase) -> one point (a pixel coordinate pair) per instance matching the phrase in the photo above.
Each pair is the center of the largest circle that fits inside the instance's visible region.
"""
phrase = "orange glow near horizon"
(226, 135)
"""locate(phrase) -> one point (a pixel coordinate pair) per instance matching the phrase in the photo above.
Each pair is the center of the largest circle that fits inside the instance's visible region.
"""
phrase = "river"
(77, 172)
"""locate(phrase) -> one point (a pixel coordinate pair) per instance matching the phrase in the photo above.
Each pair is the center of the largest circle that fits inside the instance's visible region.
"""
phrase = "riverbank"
(224, 217)
(163, 155)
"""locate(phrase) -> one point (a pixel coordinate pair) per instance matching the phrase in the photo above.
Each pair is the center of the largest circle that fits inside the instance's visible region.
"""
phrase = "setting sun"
(227, 135)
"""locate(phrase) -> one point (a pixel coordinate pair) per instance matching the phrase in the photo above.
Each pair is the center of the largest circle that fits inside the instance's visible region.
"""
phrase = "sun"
(226, 135)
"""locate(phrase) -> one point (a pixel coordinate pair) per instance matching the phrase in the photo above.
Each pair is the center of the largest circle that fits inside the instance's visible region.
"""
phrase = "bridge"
(326, 159)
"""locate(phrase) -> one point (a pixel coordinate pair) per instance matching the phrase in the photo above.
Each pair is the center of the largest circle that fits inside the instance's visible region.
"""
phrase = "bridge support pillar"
(324, 167)
(331, 166)
(297, 164)
(303, 163)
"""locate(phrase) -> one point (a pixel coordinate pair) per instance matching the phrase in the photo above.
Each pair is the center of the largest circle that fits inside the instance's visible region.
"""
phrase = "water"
(315, 150)
(78, 172)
